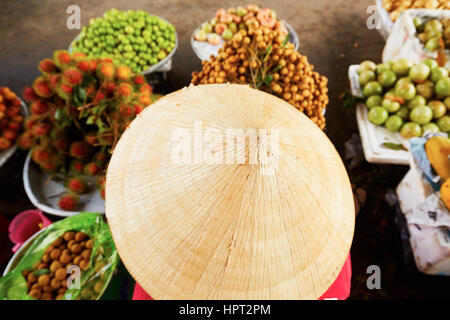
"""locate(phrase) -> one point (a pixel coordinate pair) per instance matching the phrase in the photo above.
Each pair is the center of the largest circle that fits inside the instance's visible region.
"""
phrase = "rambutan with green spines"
(79, 150)
(72, 76)
(38, 107)
(62, 58)
(42, 88)
(26, 140)
(123, 92)
(53, 80)
(68, 201)
(84, 66)
(106, 70)
(41, 129)
(126, 111)
(140, 80)
(78, 56)
(145, 99)
(92, 169)
(76, 166)
(64, 90)
(40, 154)
(61, 144)
(123, 73)
(76, 185)
(101, 157)
(138, 109)
(47, 66)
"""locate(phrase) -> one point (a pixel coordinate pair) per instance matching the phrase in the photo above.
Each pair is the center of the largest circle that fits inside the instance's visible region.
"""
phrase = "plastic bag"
(103, 260)
(403, 41)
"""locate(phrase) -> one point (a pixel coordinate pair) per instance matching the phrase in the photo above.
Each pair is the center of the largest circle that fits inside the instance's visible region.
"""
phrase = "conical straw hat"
(202, 230)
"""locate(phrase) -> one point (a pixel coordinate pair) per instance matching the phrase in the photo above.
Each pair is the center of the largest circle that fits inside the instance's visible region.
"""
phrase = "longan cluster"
(395, 7)
(265, 59)
(10, 118)
(72, 248)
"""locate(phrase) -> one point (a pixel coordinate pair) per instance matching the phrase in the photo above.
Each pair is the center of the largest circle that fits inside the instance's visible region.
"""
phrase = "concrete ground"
(333, 34)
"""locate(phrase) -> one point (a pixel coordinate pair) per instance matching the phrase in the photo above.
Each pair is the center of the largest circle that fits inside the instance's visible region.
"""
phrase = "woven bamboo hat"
(190, 228)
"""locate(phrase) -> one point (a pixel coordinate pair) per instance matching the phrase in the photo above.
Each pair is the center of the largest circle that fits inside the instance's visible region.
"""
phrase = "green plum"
(394, 123)
(426, 89)
(432, 44)
(367, 65)
(419, 72)
(403, 113)
(418, 100)
(382, 67)
(401, 66)
(411, 130)
(406, 91)
(372, 88)
(421, 114)
(378, 115)
(433, 28)
(365, 77)
(387, 78)
(442, 87)
(444, 123)
(430, 128)
(438, 107)
(373, 101)
(438, 74)
(447, 102)
(431, 63)
(390, 106)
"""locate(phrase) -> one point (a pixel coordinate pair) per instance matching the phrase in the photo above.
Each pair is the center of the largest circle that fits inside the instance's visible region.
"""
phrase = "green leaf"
(90, 120)
(350, 100)
(269, 50)
(87, 80)
(58, 114)
(285, 40)
(268, 79)
(81, 93)
(41, 272)
(394, 146)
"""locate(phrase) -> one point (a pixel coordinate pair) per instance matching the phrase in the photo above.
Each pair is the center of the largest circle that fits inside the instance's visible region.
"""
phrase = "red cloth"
(339, 290)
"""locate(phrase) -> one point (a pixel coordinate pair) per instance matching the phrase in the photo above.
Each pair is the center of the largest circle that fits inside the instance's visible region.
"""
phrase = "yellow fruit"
(445, 193)
(438, 150)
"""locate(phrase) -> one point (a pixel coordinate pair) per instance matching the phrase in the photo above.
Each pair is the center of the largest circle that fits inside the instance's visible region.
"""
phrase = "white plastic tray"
(44, 193)
(373, 136)
(6, 154)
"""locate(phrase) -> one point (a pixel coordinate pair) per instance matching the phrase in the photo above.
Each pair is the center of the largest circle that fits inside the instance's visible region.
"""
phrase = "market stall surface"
(333, 35)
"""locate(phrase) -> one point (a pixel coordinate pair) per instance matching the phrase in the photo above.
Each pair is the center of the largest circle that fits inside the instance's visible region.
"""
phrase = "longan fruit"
(47, 288)
(76, 248)
(55, 283)
(42, 266)
(60, 274)
(31, 277)
(66, 252)
(65, 259)
(55, 254)
(44, 280)
(77, 260)
(80, 236)
(84, 264)
(46, 296)
(36, 294)
(90, 244)
(35, 286)
(69, 235)
(48, 249)
(55, 266)
(62, 290)
(57, 242)
(98, 287)
(71, 243)
(46, 257)
(86, 254)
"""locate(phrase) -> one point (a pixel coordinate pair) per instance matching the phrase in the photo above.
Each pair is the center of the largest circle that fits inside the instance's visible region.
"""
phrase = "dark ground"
(333, 34)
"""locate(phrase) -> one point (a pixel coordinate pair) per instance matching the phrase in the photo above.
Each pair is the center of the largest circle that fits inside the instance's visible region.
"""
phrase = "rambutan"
(76, 185)
(41, 129)
(77, 56)
(72, 76)
(145, 88)
(139, 79)
(38, 107)
(101, 157)
(126, 111)
(53, 80)
(29, 95)
(84, 66)
(14, 126)
(42, 88)
(64, 91)
(145, 99)
(68, 202)
(124, 92)
(48, 166)
(99, 96)
(10, 135)
(123, 73)
(79, 150)
(60, 144)
(40, 155)
(92, 168)
(76, 166)
(26, 140)
(47, 66)
(5, 143)
(106, 70)
(61, 58)
(109, 87)
(94, 65)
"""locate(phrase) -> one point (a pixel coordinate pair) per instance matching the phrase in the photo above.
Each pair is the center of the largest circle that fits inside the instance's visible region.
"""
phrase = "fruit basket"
(6, 154)
(44, 192)
(373, 136)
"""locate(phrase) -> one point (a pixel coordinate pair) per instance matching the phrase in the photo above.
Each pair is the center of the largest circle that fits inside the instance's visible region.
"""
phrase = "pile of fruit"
(10, 118)
(49, 280)
(395, 7)
(226, 23)
(133, 38)
(434, 34)
(410, 98)
(264, 58)
(79, 108)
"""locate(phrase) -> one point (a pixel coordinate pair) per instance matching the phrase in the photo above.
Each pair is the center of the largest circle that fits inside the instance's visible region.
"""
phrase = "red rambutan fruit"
(76, 166)
(29, 95)
(106, 70)
(64, 91)
(126, 111)
(47, 66)
(38, 107)
(145, 88)
(124, 91)
(101, 157)
(14, 126)
(123, 73)
(72, 76)
(42, 88)
(5, 143)
(41, 129)
(40, 155)
(53, 80)
(61, 58)
(68, 202)
(84, 65)
(10, 135)
(79, 150)
(26, 140)
(92, 168)
(76, 185)
(78, 55)
(60, 144)
(145, 99)
(139, 79)
(109, 87)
